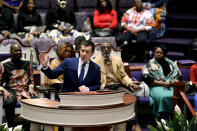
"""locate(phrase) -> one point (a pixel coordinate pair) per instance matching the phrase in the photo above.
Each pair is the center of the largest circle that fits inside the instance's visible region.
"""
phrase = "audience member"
(7, 23)
(78, 41)
(16, 81)
(193, 74)
(104, 19)
(61, 14)
(137, 23)
(65, 50)
(15, 5)
(80, 74)
(159, 73)
(158, 9)
(113, 75)
(29, 17)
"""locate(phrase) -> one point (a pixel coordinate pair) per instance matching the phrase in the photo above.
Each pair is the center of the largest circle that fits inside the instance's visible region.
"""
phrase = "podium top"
(45, 111)
(92, 92)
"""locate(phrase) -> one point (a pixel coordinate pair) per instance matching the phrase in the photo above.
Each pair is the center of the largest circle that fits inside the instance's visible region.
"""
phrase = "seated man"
(16, 81)
(113, 75)
(137, 22)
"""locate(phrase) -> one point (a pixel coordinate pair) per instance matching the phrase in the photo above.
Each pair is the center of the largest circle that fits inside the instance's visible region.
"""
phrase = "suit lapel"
(89, 73)
(75, 67)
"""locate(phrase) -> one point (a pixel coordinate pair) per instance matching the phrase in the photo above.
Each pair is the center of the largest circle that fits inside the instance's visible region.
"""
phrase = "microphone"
(124, 44)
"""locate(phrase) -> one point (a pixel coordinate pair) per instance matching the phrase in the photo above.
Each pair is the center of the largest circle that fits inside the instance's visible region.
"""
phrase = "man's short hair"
(106, 43)
(88, 43)
(13, 45)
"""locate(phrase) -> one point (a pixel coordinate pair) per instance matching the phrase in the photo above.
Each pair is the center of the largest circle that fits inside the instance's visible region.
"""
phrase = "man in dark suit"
(80, 74)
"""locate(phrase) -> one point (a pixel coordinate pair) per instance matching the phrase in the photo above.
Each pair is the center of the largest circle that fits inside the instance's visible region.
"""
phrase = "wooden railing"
(179, 97)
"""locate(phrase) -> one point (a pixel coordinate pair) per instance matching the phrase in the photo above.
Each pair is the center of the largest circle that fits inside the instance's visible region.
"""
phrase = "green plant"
(4, 127)
(178, 123)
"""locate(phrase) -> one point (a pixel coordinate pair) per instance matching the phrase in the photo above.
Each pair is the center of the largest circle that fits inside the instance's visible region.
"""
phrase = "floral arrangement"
(178, 123)
(4, 127)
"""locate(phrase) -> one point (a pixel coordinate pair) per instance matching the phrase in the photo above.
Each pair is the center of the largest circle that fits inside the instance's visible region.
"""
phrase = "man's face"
(106, 50)
(16, 52)
(86, 53)
(138, 5)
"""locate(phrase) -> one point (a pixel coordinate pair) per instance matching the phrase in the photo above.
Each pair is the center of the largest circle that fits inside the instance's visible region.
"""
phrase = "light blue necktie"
(82, 72)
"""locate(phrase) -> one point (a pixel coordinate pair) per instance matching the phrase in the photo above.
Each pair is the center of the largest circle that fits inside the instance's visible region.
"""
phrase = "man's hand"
(134, 87)
(6, 94)
(16, 9)
(133, 31)
(37, 34)
(61, 28)
(6, 34)
(136, 82)
(83, 88)
(32, 92)
(43, 60)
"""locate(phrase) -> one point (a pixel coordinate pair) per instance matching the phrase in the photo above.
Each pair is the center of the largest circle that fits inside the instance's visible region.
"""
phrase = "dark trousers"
(133, 48)
(9, 106)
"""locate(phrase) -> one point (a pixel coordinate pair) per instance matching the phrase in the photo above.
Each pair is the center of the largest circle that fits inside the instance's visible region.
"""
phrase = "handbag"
(143, 90)
(87, 27)
(103, 32)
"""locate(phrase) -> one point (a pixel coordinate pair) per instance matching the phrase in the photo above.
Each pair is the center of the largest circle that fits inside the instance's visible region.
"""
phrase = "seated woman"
(15, 5)
(158, 9)
(159, 73)
(29, 17)
(65, 50)
(193, 74)
(104, 19)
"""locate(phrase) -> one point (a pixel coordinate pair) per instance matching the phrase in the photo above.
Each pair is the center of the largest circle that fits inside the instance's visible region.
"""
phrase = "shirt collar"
(81, 63)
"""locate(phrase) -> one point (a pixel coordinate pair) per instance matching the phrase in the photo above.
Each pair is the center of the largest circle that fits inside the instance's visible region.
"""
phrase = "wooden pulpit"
(96, 111)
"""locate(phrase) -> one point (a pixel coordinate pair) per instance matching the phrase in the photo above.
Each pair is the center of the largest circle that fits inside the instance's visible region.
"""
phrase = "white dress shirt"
(80, 66)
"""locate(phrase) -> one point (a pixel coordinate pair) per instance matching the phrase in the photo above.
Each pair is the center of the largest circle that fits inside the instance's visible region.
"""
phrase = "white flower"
(10, 129)
(166, 128)
(18, 128)
(177, 110)
(163, 121)
(6, 125)
(158, 123)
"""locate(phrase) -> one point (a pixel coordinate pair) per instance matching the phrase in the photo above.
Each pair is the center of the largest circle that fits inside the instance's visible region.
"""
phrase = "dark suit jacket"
(69, 67)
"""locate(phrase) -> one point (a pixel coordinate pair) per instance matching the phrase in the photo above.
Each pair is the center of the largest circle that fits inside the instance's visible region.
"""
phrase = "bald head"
(16, 52)
(106, 49)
